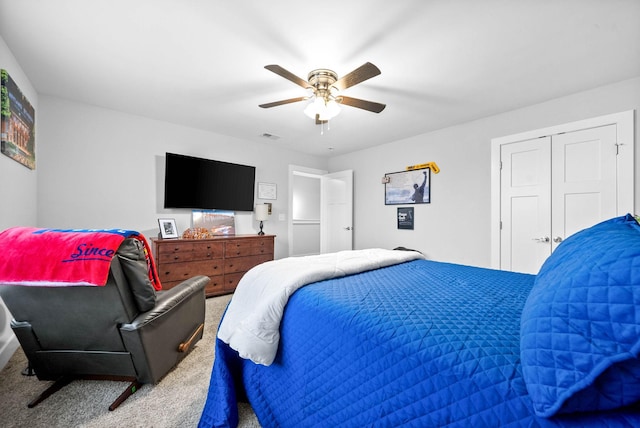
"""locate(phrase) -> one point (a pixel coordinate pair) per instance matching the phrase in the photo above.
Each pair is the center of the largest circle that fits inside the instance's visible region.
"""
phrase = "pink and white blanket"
(58, 257)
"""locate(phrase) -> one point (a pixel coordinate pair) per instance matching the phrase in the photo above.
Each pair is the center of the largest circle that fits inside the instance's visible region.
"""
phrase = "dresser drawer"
(183, 252)
(237, 249)
(208, 251)
(262, 246)
(248, 248)
(231, 281)
(180, 251)
(182, 271)
(215, 287)
(243, 264)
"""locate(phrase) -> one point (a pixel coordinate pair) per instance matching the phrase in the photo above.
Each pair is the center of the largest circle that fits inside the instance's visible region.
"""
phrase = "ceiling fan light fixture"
(332, 110)
(321, 109)
(324, 85)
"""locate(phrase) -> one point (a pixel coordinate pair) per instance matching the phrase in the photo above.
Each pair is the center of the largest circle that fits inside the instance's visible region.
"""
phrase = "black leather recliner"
(124, 330)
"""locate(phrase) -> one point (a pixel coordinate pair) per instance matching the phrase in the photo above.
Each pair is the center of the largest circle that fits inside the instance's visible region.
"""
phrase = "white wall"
(8, 341)
(306, 215)
(101, 168)
(306, 198)
(455, 227)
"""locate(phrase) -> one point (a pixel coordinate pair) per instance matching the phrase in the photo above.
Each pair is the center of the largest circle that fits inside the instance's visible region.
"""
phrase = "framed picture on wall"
(405, 218)
(267, 191)
(408, 187)
(17, 123)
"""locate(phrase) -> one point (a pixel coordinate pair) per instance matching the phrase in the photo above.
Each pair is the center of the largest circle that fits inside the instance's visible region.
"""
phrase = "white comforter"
(252, 322)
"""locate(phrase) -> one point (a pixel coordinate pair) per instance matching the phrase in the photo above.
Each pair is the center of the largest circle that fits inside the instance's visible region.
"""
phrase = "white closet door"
(551, 188)
(583, 180)
(591, 179)
(525, 201)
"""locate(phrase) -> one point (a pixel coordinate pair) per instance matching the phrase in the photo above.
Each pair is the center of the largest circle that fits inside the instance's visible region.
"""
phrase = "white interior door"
(336, 214)
(583, 180)
(525, 202)
(551, 188)
(591, 177)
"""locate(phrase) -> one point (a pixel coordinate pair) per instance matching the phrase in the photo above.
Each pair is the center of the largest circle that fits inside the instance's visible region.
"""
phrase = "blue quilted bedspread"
(422, 344)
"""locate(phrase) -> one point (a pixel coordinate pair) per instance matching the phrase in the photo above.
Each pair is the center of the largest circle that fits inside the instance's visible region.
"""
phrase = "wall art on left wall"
(17, 123)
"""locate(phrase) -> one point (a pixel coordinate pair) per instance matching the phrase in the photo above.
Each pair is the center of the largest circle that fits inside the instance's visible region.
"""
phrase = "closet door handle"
(557, 239)
(543, 239)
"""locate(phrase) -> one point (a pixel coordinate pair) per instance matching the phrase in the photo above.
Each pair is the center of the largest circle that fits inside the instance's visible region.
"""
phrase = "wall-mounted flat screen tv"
(198, 183)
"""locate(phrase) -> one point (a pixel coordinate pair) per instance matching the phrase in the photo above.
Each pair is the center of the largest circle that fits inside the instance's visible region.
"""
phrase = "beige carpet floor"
(176, 401)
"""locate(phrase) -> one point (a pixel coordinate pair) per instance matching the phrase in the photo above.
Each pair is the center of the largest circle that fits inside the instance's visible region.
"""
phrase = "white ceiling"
(200, 63)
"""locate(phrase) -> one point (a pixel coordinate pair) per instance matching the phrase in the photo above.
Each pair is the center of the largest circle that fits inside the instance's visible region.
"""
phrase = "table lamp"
(262, 214)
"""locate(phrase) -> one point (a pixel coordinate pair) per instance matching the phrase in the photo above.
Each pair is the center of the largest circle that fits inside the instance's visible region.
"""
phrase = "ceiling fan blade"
(360, 74)
(279, 103)
(363, 104)
(288, 75)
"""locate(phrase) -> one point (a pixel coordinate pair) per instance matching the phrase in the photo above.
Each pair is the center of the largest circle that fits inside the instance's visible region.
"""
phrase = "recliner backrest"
(134, 264)
(87, 317)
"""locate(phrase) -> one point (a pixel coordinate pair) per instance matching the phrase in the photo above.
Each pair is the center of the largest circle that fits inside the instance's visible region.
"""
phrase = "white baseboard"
(7, 350)
(8, 341)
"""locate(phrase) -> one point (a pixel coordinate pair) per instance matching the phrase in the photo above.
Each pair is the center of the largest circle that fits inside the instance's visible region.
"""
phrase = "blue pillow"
(580, 326)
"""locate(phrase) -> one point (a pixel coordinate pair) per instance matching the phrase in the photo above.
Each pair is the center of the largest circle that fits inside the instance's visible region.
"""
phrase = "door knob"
(543, 239)
(557, 239)
(348, 228)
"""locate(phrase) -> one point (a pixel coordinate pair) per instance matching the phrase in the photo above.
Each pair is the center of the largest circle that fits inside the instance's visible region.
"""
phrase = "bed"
(430, 344)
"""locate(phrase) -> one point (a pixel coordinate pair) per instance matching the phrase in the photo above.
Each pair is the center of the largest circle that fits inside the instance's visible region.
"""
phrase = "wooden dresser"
(224, 259)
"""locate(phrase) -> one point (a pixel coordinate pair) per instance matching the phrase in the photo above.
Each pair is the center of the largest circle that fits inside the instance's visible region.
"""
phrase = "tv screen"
(198, 183)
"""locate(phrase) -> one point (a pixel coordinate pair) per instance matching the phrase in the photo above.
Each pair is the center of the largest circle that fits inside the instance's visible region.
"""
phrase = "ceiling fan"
(325, 86)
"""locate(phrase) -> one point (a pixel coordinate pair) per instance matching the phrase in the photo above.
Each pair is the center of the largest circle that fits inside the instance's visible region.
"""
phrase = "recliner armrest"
(166, 300)
(154, 337)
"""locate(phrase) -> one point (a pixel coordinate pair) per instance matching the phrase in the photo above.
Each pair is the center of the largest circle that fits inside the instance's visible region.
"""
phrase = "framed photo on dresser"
(168, 228)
